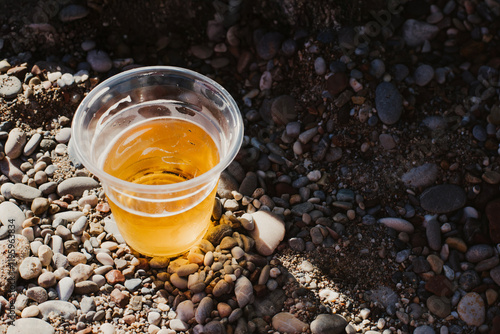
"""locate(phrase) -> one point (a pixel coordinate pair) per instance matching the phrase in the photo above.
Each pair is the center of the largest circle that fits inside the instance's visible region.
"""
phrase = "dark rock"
(443, 198)
(389, 103)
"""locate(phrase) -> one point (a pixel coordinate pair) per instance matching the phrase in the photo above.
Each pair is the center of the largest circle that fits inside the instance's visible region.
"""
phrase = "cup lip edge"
(198, 181)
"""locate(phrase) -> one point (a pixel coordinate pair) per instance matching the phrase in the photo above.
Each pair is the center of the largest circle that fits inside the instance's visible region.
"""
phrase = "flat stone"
(287, 323)
(268, 232)
(79, 226)
(249, 184)
(86, 287)
(76, 186)
(477, 253)
(415, 33)
(398, 224)
(25, 193)
(328, 324)
(424, 329)
(73, 12)
(61, 308)
(283, 110)
(471, 309)
(389, 103)
(14, 145)
(87, 304)
(30, 326)
(443, 198)
(422, 176)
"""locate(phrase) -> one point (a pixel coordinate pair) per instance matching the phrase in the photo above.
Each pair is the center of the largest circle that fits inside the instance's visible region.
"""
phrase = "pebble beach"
(365, 197)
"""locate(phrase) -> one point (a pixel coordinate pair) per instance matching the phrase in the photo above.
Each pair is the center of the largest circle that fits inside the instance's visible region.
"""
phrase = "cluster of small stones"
(78, 274)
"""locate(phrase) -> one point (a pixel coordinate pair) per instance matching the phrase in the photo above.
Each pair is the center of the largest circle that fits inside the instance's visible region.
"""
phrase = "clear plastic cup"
(158, 138)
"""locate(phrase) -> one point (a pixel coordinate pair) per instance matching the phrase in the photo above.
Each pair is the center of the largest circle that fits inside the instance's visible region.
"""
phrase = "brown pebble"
(115, 276)
(103, 207)
(440, 286)
(119, 298)
(457, 243)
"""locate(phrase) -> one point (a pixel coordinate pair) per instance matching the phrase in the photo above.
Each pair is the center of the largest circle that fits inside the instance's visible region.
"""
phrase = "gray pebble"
(443, 198)
(133, 284)
(415, 33)
(25, 193)
(87, 304)
(37, 294)
(389, 103)
(377, 68)
(249, 184)
(435, 123)
(60, 308)
(30, 325)
(79, 226)
(398, 224)
(421, 176)
(73, 12)
(15, 143)
(433, 233)
(32, 144)
(178, 325)
(424, 329)
(11, 213)
(328, 324)
(227, 184)
(99, 61)
(63, 135)
(387, 141)
(477, 253)
(185, 310)
(76, 186)
(204, 310)
(320, 66)
(10, 86)
(30, 268)
(479, 132)
(423, 75)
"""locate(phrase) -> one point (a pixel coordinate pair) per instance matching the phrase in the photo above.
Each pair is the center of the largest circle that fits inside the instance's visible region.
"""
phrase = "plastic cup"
(141, 122)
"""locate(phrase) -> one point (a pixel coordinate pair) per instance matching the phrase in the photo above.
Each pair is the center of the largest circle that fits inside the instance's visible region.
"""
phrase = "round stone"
(10, 86)
(471, 309)
(30, 268)
(99, 61)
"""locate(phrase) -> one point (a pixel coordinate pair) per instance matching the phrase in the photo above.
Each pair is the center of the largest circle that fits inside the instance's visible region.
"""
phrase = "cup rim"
(198, 181)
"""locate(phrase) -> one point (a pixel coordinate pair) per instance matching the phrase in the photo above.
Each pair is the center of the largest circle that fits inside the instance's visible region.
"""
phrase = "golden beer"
(160, 151)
